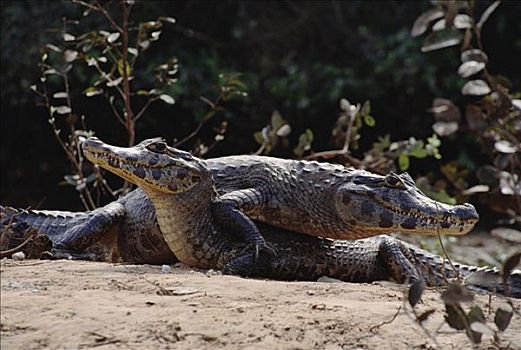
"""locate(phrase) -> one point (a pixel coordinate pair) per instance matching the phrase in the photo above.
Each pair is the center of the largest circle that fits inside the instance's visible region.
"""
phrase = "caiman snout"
(467, 212)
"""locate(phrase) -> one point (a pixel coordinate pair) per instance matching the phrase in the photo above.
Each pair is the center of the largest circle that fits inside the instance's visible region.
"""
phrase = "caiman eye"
(392, 180)
(159, 147)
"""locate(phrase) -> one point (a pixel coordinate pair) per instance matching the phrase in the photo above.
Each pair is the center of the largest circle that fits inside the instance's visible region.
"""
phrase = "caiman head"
(393, 203)
(152, 165)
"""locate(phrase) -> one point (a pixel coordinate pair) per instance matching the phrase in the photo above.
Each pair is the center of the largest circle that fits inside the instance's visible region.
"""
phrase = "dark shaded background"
(296, 57)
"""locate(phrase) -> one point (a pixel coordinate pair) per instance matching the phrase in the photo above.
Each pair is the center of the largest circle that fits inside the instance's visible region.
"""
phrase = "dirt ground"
(77, 304)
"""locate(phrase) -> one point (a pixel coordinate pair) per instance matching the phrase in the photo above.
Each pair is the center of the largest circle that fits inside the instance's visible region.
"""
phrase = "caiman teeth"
(118, 162)
(429, 220)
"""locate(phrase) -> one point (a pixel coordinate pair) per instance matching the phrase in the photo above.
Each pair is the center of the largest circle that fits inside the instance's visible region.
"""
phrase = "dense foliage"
(274, 77)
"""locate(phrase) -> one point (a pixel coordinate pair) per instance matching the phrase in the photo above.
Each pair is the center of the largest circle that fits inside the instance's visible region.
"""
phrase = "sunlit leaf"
(476, 189)
(53, 48)
(112, 37)
(505, 146)
(115, 82)
(480, 327)
(344, 105)
(475, 315)
(60, 95)
(133, 51)
(167, 98)
(462, 21)
(421, 24)
(486, 14)
(50, 71)
(474, 55)
(475, 88)
(170, 20)
(439, 25)
(516, 104)
(441, 39)
(470, 68)
(445, 128)
(68, 37)
(70, 55)
(144, 44)
(155, 35)
(284, 130)
(62, 109)
(92, 91)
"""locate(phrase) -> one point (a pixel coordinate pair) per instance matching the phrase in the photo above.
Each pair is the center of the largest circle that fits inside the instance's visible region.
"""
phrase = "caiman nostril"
(467, 212)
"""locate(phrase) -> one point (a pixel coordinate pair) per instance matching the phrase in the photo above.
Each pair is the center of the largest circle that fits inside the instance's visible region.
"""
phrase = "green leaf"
(122, 64)
(92, 91)
(503, 316)
(276, 120)
(258, 137)
(369, 120)
(455, 316)
(418, 152)
(403, 162)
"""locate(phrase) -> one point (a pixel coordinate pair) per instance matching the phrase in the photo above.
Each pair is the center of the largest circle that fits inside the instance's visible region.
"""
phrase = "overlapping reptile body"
(184, 194)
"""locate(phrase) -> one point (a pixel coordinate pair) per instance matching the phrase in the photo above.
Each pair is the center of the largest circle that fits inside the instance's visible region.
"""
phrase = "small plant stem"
(129, 114)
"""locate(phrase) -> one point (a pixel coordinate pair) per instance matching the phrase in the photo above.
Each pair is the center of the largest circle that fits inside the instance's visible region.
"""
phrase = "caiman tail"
(301, 257)
(74, 230)
(437, 271)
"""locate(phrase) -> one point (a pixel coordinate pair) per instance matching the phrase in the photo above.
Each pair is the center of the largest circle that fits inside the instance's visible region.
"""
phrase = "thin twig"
(387, 322)
(144, 108)
(215, 108)
(5, 253)
(444, 250)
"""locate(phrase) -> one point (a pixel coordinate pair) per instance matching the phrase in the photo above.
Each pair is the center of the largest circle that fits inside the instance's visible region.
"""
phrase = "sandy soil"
(77, 304)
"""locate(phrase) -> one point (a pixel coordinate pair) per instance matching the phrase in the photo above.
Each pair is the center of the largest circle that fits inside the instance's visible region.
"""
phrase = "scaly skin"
(183, 193)
(319, 199)
(308, 197)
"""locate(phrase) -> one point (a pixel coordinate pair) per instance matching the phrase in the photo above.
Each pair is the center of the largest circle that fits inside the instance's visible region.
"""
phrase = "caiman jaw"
(456, 220)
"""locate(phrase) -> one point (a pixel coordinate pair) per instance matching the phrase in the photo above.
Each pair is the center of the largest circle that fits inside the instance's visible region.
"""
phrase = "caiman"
(183, 194)
(298, 256)
(304, 196)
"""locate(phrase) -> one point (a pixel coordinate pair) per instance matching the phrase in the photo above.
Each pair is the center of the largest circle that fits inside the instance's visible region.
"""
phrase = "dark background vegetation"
(299, 58)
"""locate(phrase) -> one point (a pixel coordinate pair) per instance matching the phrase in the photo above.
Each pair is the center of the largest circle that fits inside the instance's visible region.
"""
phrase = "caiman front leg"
(227, 214)
(400, 264)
